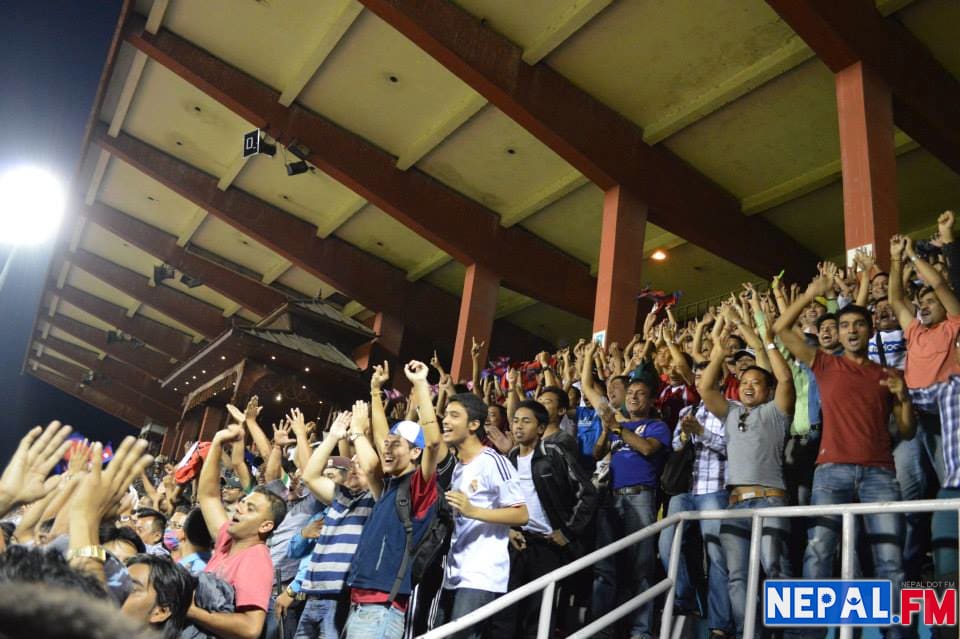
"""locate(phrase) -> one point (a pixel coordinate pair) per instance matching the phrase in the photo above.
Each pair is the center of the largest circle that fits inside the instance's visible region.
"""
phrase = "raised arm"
(378, 415)
(475, 349)
(367, 458)
(676, 355)
(935, 281)
(239, 465)
(902, 407)
(322, 487)
(249, 419)
(734, 317)
(712, 398)
(587, 385)
(549, 375)
(783, 327)
(901, 308)
(785, 396)
(434, 449)
(299, 426)
(208, 486)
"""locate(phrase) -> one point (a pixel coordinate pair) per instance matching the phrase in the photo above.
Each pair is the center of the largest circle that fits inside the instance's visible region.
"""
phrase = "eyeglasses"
(742, 421)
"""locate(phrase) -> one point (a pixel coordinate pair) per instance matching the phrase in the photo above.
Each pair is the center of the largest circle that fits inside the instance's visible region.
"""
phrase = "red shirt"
(249, 571)
(856, 409)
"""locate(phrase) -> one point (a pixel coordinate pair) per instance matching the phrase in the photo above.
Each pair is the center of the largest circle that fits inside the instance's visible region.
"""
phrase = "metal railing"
(547, 583)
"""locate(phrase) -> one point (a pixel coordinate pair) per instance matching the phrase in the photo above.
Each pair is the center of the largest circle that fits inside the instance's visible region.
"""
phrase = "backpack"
(432, 546)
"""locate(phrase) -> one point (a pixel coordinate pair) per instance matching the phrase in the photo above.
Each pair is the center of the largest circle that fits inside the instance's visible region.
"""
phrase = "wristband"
(97, 553)
(771, 347)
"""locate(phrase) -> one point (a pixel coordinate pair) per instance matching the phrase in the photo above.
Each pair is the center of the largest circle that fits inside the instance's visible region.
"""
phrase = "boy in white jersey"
(487, 500)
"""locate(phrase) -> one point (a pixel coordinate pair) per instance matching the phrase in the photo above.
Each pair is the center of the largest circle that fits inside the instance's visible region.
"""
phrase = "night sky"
(51, 56)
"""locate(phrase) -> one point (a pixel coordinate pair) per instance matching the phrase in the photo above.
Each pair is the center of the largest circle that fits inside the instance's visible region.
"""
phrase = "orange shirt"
(930, 356)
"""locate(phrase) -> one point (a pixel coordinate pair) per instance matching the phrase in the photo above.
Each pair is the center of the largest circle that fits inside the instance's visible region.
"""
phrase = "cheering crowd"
(409, 511)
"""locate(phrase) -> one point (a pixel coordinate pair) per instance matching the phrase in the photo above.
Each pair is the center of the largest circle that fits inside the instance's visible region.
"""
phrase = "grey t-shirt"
(755, 456)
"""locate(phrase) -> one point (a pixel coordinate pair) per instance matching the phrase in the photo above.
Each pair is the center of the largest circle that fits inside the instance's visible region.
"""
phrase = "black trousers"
(537, 559)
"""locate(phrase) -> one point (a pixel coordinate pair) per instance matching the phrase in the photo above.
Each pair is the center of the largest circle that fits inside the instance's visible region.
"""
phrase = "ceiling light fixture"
(163, 272)
(658, 255)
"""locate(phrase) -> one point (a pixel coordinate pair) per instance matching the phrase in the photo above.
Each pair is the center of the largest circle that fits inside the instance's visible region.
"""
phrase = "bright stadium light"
(32, 201)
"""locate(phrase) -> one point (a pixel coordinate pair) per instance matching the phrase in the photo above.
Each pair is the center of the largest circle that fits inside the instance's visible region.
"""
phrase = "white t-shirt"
(538, 523)
(479, 557)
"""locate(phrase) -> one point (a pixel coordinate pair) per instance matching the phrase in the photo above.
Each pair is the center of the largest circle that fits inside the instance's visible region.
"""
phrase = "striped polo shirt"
(337, 543)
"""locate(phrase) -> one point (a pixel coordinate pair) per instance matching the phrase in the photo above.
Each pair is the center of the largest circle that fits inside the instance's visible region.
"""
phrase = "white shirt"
(479, 557)
(538, 523)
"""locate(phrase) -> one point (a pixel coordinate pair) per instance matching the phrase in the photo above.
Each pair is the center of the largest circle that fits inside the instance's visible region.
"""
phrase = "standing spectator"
(855, 461)
(240, 555)
(379, 578)
(486, 496)
(561, 502)
(639, 446)
(755, 429)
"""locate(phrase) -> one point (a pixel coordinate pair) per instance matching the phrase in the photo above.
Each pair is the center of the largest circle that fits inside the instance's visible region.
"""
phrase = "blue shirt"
(588, 432)
(630, 468)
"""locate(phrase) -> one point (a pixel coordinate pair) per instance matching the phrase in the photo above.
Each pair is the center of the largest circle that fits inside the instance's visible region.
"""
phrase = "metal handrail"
(547, 583)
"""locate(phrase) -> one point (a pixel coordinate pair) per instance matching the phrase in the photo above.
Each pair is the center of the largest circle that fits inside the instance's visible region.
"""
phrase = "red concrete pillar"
(620, 266)
(869, 163)
(478, 309)
(389, 330)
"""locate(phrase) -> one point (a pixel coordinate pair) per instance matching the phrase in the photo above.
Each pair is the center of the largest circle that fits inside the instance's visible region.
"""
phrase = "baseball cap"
(744, 352)
(230, 481)
(341, 463)
(410, 431)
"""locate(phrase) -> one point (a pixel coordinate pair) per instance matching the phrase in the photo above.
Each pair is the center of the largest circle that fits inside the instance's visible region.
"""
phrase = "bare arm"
(475, 349)
(549, 376)
(902, 407)
(901, 308)
(712, 398)
(434, 449)
(239, 465)
(208, 486)
(229, 625)
(248, 418)
(676, 355)
(783, 327)
(587, 385)
(509, 516)
(367, 458)
(378, 416)
(322, 487)
(298, 425)
(936, 281)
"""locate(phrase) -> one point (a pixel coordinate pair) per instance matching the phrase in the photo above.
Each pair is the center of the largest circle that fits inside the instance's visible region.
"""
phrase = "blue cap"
(410, 431)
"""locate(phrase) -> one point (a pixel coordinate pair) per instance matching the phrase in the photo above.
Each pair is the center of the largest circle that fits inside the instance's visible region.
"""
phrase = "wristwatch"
(98, 553)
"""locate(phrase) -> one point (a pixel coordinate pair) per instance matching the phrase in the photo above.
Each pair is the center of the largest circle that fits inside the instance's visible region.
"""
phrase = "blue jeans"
(317, 621)
(459, 602)
(718, 597)
(621, 515)
(735, 538)
(845, 484)
(374, 621)
(944, 530)
(908, 456)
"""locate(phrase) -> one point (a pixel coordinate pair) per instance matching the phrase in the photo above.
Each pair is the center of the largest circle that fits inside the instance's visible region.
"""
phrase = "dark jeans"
(618, 516)
(537, 559)
(456, 603)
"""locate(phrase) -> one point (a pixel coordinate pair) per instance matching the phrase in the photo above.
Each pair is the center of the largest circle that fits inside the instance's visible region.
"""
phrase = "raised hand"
(945, 226)
(543, 358)
(79, 456)
(898, 244)
(253, 409)
(667, 332)
(895, 385)
(648, 323)
(339, 426)
(416, 372)
(24, 479)
(281, 433)
(381, 375)
(101, 490)
(232, 433)
(513, 376)
(360, 418)
(821, 285)
(476, 347)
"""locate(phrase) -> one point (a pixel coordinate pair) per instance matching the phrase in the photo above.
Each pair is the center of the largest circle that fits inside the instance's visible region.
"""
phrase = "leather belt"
(743, 493)
(632, 490)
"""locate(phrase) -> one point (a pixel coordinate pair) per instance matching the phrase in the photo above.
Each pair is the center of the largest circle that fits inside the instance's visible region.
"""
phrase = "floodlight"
(32, 201)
